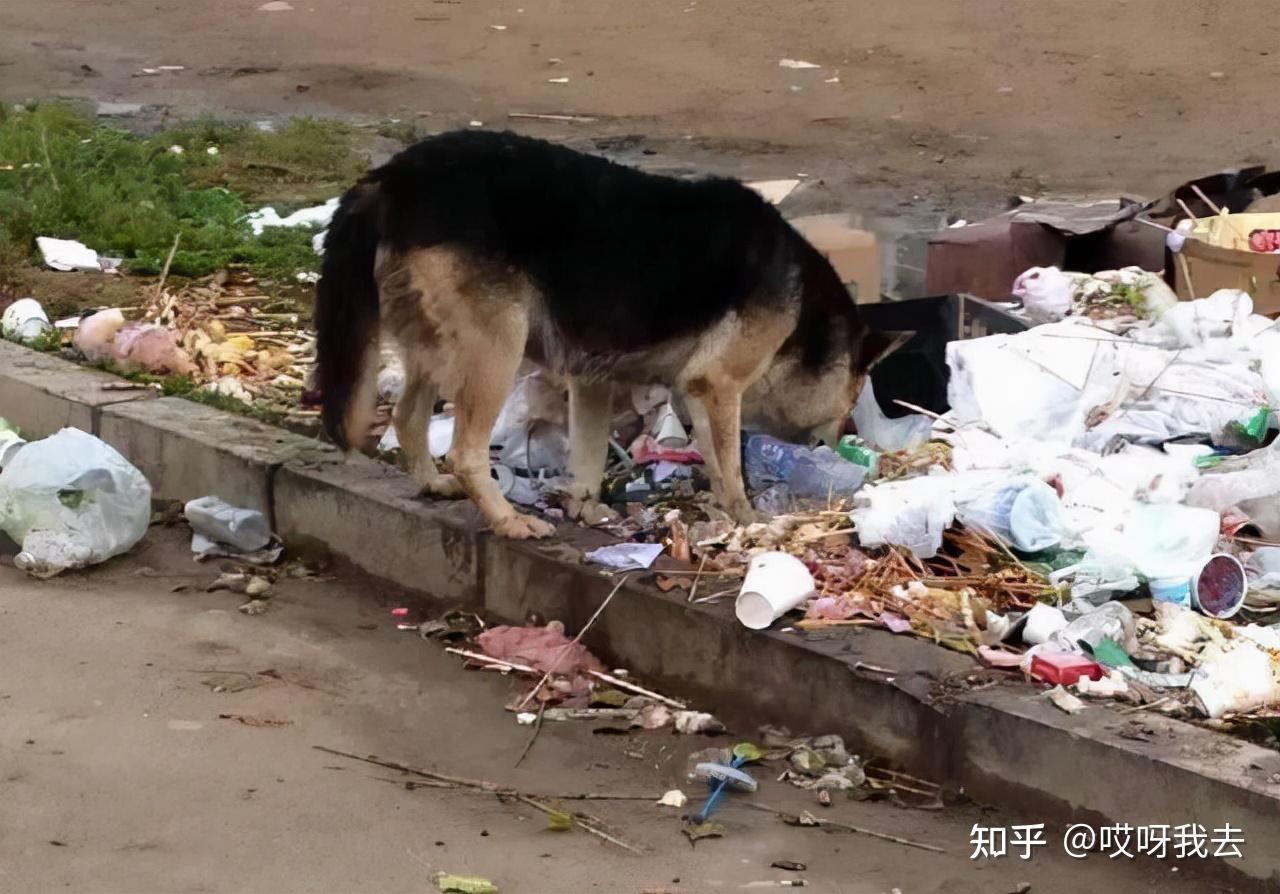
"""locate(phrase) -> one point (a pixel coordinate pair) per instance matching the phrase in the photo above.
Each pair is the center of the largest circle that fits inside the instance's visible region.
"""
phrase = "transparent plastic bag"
(71, 500)
(1025, 513)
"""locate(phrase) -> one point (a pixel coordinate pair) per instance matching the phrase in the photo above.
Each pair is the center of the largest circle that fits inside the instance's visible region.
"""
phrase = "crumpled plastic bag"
(532, 430)
(96, 332)
(1025, 513)
(1047, 293)
(885, 434)
(152, 348)
(544, 649)
(71, 500)
(912, 514)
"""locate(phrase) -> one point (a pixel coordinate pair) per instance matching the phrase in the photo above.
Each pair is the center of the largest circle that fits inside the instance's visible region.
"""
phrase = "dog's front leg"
(717, 422)
(590, 406)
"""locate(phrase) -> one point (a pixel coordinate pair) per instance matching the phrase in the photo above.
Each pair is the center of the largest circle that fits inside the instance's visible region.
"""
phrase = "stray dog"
(474, 250)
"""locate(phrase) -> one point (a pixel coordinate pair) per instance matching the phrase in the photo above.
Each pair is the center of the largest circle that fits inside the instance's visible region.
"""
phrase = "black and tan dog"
(473, 251)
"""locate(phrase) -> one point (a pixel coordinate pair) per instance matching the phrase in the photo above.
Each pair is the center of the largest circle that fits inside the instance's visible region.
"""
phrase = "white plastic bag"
(885, 434)
(1024, 513)
(71, 500)
(245, 529)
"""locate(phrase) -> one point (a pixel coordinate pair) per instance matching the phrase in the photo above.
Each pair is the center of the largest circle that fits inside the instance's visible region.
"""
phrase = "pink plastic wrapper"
(150, 347)
(542, 648)
(645, 449)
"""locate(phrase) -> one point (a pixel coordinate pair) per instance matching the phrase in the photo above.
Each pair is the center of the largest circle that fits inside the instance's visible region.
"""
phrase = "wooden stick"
(482, 785)
(599, 675)
(1204, 198)
(536, 116)
(580, 823)
(537, 728)
(564, 651)
(164, 273)
(638, 690)
(823, 623)
(697, 578)
(818, 821)
(1152, 223)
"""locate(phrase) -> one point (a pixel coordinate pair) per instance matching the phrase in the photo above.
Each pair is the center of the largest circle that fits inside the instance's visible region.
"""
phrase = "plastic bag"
(1024, 513)
(71, 500)
(818, 474)
(911, 514)
(885, 434)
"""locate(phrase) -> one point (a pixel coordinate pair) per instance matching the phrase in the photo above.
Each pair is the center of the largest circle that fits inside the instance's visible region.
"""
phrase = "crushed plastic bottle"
(245, 529)
(784, 471)
(71, 500)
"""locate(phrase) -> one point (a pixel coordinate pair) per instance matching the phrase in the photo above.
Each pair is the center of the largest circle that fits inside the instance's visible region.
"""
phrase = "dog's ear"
(876, 345)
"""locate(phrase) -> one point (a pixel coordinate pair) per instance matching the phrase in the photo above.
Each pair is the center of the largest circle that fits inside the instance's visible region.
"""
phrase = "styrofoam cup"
(670, 432)
(1043, 621)
(775, 584)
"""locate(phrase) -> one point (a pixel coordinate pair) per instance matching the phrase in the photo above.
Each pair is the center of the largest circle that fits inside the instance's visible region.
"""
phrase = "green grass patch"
(128, 196)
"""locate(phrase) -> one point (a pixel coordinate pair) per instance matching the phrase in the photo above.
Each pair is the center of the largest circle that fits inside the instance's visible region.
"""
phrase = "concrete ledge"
(41, 394)
(370, 513)
(190, 450)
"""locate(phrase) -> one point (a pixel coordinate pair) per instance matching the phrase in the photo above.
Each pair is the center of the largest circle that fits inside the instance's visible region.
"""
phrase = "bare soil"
(939, 108)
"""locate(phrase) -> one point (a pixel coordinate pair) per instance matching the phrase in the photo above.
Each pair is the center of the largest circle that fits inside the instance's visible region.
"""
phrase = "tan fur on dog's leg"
(724, 413)
(486, 378)
(411, 417)
(706, 445)
(590, 405)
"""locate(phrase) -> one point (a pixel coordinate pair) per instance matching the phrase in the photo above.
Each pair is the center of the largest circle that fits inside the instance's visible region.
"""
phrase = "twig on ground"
(480, 785)
(537, 728)
(697, 578)
(819, 821)
(581, 823)
(164, 273)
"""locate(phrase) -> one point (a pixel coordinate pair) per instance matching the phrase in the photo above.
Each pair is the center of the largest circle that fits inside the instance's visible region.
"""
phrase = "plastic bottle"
(808, 474)
(245, 529)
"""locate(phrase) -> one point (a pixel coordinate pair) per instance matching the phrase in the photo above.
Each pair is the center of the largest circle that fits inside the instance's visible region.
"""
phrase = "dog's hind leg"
(590, 405)
(411, 417)
(485, 374)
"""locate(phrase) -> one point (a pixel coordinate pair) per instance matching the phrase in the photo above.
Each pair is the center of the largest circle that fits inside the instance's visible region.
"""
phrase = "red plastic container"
(1061, 668)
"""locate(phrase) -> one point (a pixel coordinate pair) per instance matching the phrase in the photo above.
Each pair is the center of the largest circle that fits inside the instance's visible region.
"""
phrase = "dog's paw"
(523, 527)
(745, 514)
(442, 487)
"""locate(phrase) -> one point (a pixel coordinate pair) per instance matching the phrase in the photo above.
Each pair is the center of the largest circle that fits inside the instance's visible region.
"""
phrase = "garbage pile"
(1097, 504)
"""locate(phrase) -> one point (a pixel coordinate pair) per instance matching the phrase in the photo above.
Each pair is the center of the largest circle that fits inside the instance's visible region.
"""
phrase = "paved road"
(116, 773)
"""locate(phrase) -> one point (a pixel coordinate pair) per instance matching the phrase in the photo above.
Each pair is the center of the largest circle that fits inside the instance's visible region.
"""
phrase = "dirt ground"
(918, 111)
(117, 773)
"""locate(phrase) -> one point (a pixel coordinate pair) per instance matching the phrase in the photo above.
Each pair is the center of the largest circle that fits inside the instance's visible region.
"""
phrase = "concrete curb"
(1003, 744)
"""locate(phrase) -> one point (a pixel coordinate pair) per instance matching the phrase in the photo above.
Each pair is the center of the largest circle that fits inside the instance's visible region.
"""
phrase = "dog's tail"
(346, 316)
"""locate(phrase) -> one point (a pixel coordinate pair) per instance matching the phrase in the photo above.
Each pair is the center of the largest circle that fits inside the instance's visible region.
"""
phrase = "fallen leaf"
(465, 884)
(789, 865)
(748, 752)
(667, 584)
(612, 698)
(697, 831)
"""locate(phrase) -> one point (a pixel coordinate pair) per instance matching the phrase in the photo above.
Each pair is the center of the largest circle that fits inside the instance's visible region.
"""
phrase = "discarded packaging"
(24, 321)
(626, 556)
(70, 500)
(775, 584)
(453, 884)
(11, 441)
(67, 255)
(96, 333)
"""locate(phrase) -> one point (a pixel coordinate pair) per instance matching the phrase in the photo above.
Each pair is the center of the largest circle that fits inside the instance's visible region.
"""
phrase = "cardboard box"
(1217, 257)
(853, 252)
(1082, 234)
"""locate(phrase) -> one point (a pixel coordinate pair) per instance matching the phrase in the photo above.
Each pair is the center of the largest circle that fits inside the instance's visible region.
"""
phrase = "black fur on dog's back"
(623, 260)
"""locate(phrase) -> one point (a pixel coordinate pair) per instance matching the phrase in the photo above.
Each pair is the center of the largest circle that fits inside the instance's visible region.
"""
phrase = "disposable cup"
(1219, 587)
(670, 432)
(775, 584)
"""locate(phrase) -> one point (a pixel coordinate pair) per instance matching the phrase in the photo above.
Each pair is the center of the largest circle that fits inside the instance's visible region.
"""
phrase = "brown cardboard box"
(853, 252)
(1216, 259)
(1083, 234)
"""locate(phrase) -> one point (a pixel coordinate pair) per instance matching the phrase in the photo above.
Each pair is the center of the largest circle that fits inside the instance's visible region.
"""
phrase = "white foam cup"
(775, 584)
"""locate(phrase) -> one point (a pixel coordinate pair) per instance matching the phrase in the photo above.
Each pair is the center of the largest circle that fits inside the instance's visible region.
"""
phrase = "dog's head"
(793, 400)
